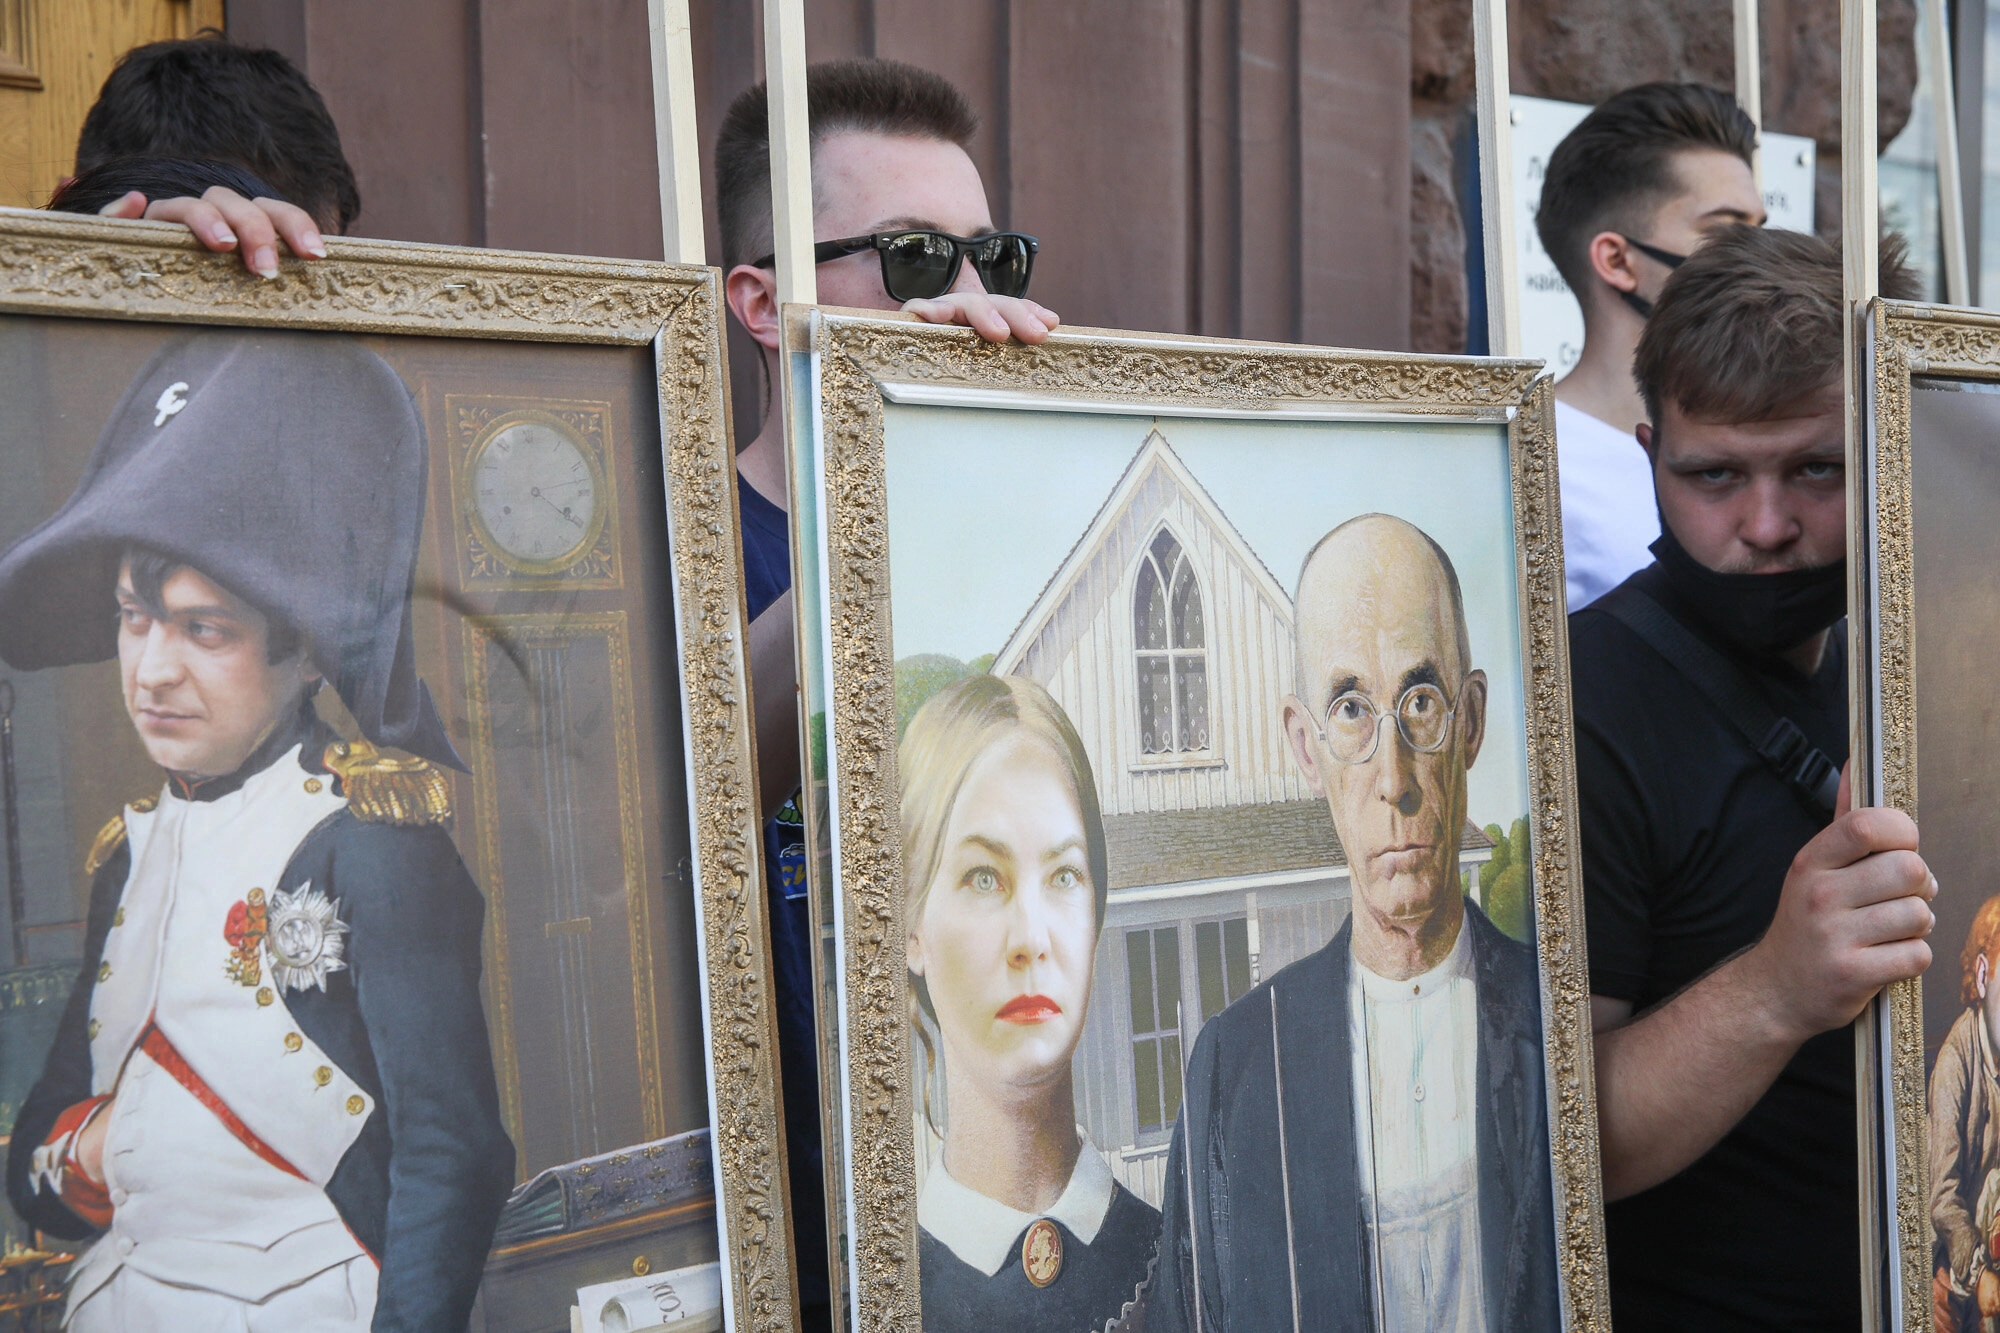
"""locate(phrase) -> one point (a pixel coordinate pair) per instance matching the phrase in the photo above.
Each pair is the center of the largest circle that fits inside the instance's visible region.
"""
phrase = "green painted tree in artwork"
(921, 675)
(1508, 882)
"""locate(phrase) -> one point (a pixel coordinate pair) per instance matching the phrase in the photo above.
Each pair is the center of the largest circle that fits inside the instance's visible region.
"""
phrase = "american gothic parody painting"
(1216, 898)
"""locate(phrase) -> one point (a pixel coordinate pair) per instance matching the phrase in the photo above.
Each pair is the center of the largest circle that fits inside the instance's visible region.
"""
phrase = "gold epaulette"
(382, 790)
(105, 845)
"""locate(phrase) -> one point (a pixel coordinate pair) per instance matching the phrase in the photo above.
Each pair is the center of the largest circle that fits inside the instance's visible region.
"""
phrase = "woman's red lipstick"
(1029, 1009)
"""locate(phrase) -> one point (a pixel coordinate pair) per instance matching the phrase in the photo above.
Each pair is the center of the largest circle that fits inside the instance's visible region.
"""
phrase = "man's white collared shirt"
(1416, 1056)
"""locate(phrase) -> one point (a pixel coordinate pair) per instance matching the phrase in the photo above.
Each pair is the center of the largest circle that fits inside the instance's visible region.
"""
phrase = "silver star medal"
(303, 936)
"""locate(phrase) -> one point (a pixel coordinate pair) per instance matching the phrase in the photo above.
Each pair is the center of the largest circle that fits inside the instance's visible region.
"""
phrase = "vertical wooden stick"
(1860, 203)
(791, 151)
(674, 134)
(1496, 180)
(1750, 78)
(1944, 111)
(1860, 186)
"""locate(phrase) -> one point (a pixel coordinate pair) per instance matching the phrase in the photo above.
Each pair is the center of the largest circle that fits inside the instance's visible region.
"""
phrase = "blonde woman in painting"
(1021, 1225)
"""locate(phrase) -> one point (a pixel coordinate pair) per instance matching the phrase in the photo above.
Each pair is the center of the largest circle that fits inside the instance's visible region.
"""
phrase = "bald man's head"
(1380, 625)
(1365, 565)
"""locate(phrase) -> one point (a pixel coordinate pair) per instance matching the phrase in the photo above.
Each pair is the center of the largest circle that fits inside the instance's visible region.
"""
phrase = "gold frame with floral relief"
(90, 269)
(1890, 507)
(862, 364)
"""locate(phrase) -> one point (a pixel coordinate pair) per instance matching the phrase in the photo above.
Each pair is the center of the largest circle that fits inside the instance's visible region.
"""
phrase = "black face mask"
(1667, 257)
(1763, 613)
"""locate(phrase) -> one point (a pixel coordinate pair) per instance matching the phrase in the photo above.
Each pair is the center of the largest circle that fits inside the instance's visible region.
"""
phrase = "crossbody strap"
(1776, 738)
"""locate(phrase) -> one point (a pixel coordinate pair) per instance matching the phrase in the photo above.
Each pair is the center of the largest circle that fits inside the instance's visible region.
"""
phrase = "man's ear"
(1472, 715)
(1301, 734)
(1981, 974)
(1611, 260)
(1643, 432)
(753, 297)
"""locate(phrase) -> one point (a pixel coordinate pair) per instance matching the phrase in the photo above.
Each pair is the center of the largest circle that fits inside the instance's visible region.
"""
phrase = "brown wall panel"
(402, 83)
(567, 95)
(1354, 172)
(1267, 78)
(1098, 140)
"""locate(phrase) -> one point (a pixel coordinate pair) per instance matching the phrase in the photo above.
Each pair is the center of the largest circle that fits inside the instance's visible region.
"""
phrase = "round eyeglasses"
(1353, 727)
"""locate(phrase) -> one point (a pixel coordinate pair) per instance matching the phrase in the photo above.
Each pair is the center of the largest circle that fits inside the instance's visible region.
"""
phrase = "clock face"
(536, 493)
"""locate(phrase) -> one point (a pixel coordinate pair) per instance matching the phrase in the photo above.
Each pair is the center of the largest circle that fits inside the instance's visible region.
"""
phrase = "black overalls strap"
(1775, 737)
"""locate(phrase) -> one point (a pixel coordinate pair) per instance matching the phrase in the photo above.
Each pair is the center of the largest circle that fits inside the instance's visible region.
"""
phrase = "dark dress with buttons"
(1094, 1285)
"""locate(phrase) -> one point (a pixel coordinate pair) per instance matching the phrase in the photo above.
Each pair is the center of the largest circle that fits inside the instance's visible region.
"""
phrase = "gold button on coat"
(118, 917)
(356, 1104)
(293, 1041)
(313, 786)
(91, 1029)
(322, 1076)
(104, 971)
(264, 995)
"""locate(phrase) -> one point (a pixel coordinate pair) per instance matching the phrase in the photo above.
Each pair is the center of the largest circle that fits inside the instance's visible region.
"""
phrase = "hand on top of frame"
(1853, 917)
(994, 318)
(224, 220)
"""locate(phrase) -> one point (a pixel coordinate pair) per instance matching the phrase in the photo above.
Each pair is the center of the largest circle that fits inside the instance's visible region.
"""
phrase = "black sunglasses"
(919, 264)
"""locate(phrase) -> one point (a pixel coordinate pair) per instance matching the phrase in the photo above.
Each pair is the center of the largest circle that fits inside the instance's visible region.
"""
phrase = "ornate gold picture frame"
(1929, 624)
(1093, 637)
(585, 662)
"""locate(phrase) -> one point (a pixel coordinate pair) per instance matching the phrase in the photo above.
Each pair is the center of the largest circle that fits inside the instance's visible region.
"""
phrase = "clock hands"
(536, 491)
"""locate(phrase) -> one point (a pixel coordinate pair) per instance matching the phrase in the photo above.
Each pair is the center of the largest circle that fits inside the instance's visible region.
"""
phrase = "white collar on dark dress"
(983, 1231)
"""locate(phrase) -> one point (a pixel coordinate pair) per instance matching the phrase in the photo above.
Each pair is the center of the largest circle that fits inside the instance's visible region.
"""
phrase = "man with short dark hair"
(1739, 916)
(902, 222)
(208, 99)
(1632, 190)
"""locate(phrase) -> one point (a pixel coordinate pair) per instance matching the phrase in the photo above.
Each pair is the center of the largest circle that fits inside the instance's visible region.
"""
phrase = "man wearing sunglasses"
(1639, 184)
(1364, 1137)
(903, 224)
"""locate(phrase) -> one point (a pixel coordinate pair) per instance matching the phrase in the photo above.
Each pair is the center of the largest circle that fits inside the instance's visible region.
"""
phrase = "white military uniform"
(207, 1231)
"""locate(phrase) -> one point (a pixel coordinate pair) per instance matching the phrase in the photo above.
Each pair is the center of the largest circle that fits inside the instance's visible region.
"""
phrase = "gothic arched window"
(1169, 634)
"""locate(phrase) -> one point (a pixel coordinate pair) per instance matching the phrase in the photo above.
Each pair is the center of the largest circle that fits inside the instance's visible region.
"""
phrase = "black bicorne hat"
(287, 467)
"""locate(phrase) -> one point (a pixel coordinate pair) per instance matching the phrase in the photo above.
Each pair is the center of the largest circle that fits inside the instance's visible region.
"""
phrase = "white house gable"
(1169, 643)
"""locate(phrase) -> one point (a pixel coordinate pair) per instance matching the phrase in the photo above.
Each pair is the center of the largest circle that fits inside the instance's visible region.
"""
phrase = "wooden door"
(54, 56)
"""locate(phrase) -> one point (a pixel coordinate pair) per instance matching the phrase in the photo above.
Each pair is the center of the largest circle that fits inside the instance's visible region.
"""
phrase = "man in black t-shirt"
(1736, 926)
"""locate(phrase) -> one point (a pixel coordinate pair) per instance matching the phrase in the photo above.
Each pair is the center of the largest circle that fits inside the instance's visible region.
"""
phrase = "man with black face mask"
(1629, 193)
(1736, 924)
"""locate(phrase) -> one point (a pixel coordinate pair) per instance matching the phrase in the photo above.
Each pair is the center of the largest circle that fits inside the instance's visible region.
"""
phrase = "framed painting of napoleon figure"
(1929, 482)
(1207, 943)
(386, 923)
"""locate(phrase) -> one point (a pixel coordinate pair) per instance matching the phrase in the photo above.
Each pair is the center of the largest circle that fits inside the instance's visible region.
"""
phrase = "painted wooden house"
(1170, 644)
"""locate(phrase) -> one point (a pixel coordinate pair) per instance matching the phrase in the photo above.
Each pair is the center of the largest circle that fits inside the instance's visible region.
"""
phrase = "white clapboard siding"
(1078, 641)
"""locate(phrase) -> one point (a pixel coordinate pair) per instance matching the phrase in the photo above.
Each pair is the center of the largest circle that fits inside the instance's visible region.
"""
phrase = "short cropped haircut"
(1752, 323)
(873, 96)
(207, 98)
(150, 572)
(1617, 166)
(156, 178)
